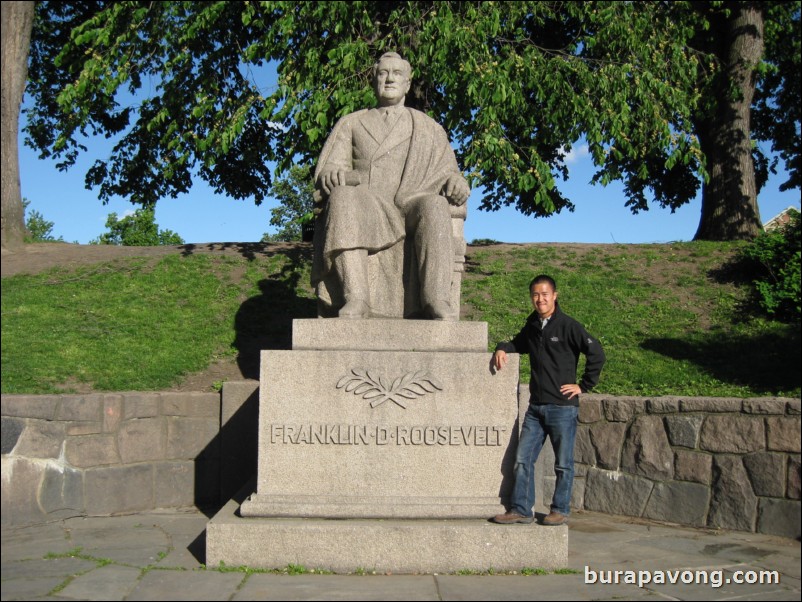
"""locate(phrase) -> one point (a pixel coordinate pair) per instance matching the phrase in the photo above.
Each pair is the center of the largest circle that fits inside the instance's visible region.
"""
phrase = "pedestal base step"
(397, 546)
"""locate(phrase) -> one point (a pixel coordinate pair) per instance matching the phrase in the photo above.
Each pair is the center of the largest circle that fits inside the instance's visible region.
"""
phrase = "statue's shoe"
(439, 310)
(355, 309)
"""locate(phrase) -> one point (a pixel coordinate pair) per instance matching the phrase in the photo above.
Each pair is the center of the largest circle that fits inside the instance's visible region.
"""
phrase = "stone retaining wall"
(705, 462)
(720, 463)
(100, 454)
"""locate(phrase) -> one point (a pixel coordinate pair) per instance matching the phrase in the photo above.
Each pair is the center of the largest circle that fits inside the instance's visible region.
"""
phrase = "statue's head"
(392, 77)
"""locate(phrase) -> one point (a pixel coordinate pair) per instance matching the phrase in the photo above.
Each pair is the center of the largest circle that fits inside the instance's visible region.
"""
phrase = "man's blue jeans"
(559, 423)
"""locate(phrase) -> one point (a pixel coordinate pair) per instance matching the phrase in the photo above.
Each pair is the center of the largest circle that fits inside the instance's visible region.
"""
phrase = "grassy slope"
(669, 317)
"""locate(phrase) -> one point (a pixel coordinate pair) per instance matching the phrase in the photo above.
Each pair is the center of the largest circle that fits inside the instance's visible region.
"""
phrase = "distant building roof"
(779, 220)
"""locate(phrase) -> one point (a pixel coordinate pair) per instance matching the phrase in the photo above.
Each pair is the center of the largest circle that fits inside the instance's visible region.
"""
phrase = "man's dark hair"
(543, 278)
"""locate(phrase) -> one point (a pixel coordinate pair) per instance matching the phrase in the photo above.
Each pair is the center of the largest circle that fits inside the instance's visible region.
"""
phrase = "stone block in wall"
(732, 434)
(10, 431)
(711, 404)
(19, 495)
(783, 433)
(44, 407)
(793, 478)
(89, 451)
(578, 494)
(545, 496)
(678, 502)
(590, 410)
(174, 484)
(623, 410)
(91, 427)
(779, 517)
(142, 440)
(766, 473)
(41, 439)
(662, 405)
(692, 466)
(793, 407)
(583, 448)
(733, 505)
(141, 405)
(615, 492)
(189, 438)
(112, 412)
(81, 408)
(607, 439)
(116, 489)
(764, 405)
(646, 450)
(62, 491)
(683, 430)
(198, 405)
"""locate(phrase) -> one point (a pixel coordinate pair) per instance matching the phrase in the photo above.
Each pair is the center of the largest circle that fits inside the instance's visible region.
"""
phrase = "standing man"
(386, 174)
(553, 341)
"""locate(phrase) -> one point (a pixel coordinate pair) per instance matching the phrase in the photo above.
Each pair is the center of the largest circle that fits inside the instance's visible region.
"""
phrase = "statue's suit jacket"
(410, 161)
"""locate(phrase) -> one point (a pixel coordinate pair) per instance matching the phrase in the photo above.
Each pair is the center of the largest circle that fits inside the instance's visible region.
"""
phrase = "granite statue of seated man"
(389, 185)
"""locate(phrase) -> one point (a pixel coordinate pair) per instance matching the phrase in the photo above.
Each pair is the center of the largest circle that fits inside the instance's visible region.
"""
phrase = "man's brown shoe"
(554, 519)
(510, 518)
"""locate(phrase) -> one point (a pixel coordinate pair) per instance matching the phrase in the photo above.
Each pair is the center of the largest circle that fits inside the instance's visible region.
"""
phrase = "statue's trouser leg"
(430, 220)
(352, 266)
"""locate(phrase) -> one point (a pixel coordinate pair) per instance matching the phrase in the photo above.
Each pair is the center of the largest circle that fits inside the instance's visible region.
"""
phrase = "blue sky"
(202, 216)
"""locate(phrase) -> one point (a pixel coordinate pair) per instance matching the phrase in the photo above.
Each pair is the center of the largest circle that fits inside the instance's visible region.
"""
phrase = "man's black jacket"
(554, 355)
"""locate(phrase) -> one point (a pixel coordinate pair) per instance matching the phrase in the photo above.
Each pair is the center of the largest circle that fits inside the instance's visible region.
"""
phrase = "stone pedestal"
(403, 428)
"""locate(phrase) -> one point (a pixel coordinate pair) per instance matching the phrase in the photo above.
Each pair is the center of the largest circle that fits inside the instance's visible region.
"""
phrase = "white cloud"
(576, 154)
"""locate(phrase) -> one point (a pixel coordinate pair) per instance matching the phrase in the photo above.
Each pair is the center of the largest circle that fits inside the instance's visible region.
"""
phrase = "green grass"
(671, 320)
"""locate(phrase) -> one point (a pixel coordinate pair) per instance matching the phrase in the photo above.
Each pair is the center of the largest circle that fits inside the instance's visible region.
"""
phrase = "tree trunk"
(17, 23)
(729, 198)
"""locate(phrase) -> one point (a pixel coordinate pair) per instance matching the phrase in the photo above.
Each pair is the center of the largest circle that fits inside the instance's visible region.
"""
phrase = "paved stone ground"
(160, 555)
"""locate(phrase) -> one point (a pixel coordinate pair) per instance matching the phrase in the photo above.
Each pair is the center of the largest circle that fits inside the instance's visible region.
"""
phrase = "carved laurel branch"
(375, 387)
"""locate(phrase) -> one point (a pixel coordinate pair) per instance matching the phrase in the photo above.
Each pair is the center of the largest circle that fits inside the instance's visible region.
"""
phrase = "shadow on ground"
(768, 363)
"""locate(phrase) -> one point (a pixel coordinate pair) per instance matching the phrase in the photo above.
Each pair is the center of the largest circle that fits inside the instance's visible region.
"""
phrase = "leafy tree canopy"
(39, 229)
(515, 83)
(296, 204)
(137, 230)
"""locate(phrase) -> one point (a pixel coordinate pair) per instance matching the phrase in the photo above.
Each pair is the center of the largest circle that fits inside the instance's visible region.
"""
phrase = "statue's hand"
(332, 178)
(456, 189)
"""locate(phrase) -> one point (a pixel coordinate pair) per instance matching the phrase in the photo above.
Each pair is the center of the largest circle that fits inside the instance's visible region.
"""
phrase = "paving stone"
(339, 587)
(174, 585)
(108, 583)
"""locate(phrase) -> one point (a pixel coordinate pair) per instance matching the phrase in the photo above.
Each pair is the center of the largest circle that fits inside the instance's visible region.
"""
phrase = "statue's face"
(392, 81)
